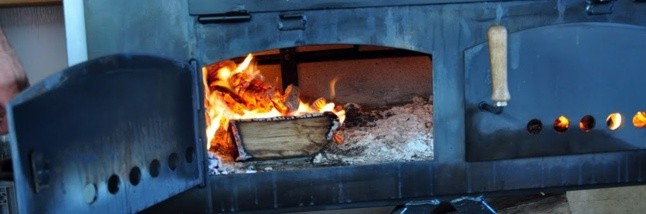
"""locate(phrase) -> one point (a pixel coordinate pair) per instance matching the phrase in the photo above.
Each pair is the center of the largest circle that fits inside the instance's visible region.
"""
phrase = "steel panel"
(443, 30)
(398, 183)
(206, 7)
(72, 132)
(572, 70)
(161, 28)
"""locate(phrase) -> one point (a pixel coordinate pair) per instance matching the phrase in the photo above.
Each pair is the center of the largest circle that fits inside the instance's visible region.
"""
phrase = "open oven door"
(112, 135)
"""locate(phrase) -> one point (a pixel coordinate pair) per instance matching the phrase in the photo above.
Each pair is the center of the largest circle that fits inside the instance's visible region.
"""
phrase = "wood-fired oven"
(126, 131)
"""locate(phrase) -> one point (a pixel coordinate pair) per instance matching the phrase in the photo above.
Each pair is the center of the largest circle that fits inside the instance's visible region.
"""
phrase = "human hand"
(12, 78)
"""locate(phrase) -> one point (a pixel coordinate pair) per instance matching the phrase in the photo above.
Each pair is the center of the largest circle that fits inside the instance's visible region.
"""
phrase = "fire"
(614, 121)
(639, 120)
(238, 91)
(561, 124)
(586, 123)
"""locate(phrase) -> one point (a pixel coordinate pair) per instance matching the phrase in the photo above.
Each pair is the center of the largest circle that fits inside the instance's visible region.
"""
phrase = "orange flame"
(333, 87)
(614, 121)
(240, 92)
(561, 124)
(639, 120)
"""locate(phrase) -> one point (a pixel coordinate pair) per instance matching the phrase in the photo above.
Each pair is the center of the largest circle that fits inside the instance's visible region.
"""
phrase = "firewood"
(224, 146)
(283, 137)
(233, 103)
(255, 93)
(318, 104)
(211, 74)
(288, 103)
(246, 87)
(291, 98)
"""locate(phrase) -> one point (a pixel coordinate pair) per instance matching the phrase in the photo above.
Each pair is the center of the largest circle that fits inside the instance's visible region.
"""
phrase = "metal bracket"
(292, 21)
(417, 207)
(40, 171)
(599, 7)
(199, 122)
(472, 205)
(288, 67)
(484, 106)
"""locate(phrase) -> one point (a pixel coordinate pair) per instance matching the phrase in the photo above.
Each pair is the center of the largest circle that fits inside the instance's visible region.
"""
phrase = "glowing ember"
(561, 124)
(639, 120)
(614, 121)
(238, 91)
(586, 123)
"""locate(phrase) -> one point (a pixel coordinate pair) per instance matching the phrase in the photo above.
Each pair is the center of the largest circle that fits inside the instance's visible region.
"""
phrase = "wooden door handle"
(497, 39)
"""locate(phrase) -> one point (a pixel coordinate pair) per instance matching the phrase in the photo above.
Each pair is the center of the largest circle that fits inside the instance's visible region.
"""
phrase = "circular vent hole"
(190, 154)
(153, 168)
(534, 126)
(173, 161)
(561, 124)
(614, 121)
(135, 176)
(586, 123)
(113, 184)
(89, 193)
(639, 120)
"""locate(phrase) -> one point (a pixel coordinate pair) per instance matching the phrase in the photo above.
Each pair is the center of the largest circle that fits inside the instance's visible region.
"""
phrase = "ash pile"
(397, 133)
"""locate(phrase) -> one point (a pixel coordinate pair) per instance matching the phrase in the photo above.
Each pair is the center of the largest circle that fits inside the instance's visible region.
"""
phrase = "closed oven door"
(112, 135)
(575, 88)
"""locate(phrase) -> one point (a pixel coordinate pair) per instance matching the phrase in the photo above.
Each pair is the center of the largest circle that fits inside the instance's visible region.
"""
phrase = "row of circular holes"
(90, 192)
(562, 123)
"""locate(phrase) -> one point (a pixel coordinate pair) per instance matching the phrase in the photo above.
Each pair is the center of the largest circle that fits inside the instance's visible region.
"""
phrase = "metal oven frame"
(197, 32)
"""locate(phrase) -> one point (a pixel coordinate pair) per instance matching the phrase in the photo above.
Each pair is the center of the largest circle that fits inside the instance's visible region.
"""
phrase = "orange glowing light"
(639, 120)
(333, 87)
(561, 124)
(337, 137)
(586, 123)
(238, 91)
(614, 121)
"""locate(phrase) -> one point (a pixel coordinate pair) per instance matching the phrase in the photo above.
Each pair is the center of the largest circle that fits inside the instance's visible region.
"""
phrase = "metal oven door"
(112, 135)
(570, 84)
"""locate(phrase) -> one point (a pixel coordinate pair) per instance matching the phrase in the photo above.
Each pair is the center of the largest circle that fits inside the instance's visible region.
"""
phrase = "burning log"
(291, 99)
(318, 104)
(236, 92)
(283, 137)
(240, 88)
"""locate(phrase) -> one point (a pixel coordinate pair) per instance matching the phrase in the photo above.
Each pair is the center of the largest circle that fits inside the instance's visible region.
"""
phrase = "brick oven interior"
(391, 78)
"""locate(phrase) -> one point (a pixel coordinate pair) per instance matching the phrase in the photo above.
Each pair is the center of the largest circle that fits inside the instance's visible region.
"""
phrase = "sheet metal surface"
(85, 139)
(444, 31)
(572, 70)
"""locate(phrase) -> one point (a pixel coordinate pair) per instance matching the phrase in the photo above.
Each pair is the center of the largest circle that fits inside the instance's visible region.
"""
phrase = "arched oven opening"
(318, 106)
